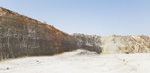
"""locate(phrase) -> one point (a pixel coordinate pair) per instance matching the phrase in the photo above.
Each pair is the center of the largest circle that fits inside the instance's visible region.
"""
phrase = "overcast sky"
(95, 17)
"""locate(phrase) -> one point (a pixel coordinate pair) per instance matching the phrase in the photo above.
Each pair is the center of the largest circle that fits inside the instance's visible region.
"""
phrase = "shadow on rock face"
(86, 52)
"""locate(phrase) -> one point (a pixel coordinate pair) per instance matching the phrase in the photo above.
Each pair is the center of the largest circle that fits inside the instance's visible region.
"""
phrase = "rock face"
(114, 43)
(89, 42)
(23, 36)
(126, 44)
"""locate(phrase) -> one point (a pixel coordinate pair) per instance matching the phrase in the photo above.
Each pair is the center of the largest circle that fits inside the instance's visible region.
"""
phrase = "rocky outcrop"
(126, 44)
(23, 36)
(89, 42)
(114, 43)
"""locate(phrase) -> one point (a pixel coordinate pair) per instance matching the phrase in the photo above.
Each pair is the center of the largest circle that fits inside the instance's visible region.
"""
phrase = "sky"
(92, 17)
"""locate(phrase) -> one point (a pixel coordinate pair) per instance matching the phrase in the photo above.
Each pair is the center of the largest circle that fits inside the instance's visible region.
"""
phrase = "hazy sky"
(100, 17)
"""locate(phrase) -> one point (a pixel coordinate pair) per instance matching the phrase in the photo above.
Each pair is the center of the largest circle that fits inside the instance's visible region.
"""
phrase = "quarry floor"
(79, 61)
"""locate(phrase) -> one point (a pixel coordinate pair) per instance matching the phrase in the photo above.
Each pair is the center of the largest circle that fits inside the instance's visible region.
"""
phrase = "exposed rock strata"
(114, 43)
(89, 42)
(23, 36)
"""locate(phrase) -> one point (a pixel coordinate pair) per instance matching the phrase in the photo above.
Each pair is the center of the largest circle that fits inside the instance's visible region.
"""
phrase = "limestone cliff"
(23, 36)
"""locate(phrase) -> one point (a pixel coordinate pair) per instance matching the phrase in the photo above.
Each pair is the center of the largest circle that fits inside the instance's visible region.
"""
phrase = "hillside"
(23, 36)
